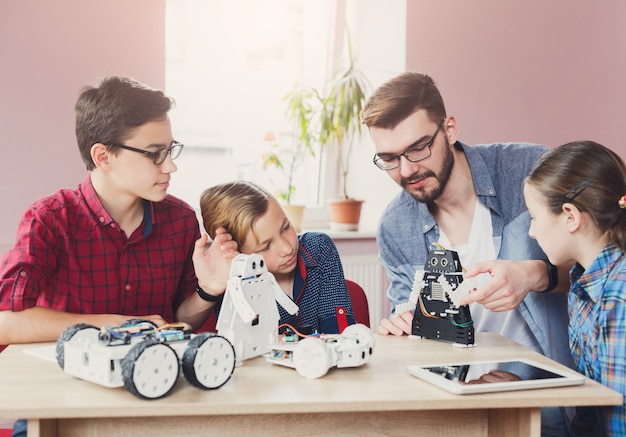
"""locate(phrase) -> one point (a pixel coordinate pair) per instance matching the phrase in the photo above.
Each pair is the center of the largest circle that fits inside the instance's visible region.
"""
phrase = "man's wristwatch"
(206, 296)
(553, 276)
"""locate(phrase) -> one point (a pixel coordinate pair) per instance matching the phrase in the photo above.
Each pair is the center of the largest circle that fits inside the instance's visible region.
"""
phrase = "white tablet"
(491, 376)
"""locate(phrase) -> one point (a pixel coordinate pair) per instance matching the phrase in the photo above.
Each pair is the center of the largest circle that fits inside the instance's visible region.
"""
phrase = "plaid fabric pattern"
(597, 327)
(70, 255)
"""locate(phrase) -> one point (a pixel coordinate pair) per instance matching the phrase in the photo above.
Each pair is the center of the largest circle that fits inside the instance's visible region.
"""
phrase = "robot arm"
(243, 308)
(418, 286)
(284, 301)
(463, 289)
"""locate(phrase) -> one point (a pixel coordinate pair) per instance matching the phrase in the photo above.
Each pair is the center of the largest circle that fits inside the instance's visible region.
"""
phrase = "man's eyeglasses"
(159, 156)
(414, 153)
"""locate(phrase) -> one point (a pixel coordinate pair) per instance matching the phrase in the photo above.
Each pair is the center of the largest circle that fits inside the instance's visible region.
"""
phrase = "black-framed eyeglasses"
(160, 155)
(414, 153)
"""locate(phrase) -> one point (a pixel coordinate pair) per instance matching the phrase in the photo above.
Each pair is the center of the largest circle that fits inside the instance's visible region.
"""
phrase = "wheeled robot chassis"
(312, 356)
(146, 360)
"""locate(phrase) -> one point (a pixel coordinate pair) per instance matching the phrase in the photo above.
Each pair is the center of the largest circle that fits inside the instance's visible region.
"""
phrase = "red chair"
(6, 428)
(360, 306)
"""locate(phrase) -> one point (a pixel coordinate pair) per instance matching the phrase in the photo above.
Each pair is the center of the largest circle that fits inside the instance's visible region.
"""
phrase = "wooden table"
(379, 398)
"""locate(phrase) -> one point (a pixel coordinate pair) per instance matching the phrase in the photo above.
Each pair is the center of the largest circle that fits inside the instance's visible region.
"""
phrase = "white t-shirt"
(480, 248)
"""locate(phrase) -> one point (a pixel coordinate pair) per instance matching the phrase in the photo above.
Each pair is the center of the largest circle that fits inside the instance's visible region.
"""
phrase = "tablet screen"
(490, 372)
(491, 376)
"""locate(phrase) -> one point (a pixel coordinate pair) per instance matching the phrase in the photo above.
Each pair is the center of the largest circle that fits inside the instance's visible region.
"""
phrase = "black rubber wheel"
(150, 369)
(72, 334)
(208, 361)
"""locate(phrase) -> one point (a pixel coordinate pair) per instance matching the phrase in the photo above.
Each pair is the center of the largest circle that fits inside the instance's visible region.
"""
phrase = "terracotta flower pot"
(345, 214)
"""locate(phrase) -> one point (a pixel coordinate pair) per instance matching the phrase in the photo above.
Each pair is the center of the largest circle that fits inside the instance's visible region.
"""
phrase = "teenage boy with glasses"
(468, 199)
(118, 246)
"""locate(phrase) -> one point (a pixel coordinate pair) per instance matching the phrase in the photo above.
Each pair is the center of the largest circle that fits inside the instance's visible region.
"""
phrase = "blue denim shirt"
(407, 229)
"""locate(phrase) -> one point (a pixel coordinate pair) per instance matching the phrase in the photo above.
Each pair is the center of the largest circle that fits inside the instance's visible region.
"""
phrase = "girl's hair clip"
(622, 202)
(573, 193)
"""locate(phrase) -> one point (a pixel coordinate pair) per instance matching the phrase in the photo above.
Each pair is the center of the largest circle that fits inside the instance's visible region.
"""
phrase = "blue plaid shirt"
(597, 327)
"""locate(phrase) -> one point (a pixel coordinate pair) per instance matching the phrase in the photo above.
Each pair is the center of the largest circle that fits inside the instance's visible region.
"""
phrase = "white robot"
(313, 356)
(249, 316)
(143, 358)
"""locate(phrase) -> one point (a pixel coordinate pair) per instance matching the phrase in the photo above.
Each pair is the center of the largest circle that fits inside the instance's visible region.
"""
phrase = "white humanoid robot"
(249, 316)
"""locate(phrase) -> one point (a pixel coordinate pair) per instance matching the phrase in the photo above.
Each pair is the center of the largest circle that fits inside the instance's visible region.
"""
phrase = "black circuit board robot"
(436, 293)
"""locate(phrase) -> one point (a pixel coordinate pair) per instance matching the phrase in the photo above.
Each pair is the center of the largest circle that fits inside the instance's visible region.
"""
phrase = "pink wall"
(548, 72)
(49, 50)
(528, 71)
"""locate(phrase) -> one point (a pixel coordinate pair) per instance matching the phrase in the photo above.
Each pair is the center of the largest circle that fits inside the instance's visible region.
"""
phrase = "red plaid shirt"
(70, 255)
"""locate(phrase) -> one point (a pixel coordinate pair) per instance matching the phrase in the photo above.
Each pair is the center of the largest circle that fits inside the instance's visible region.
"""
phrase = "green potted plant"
(330, 119)
(341, 128)
(289, 159)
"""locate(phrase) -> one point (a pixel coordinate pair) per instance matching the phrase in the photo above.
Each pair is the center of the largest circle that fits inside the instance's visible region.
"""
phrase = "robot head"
(247, 266)
(443, 261)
